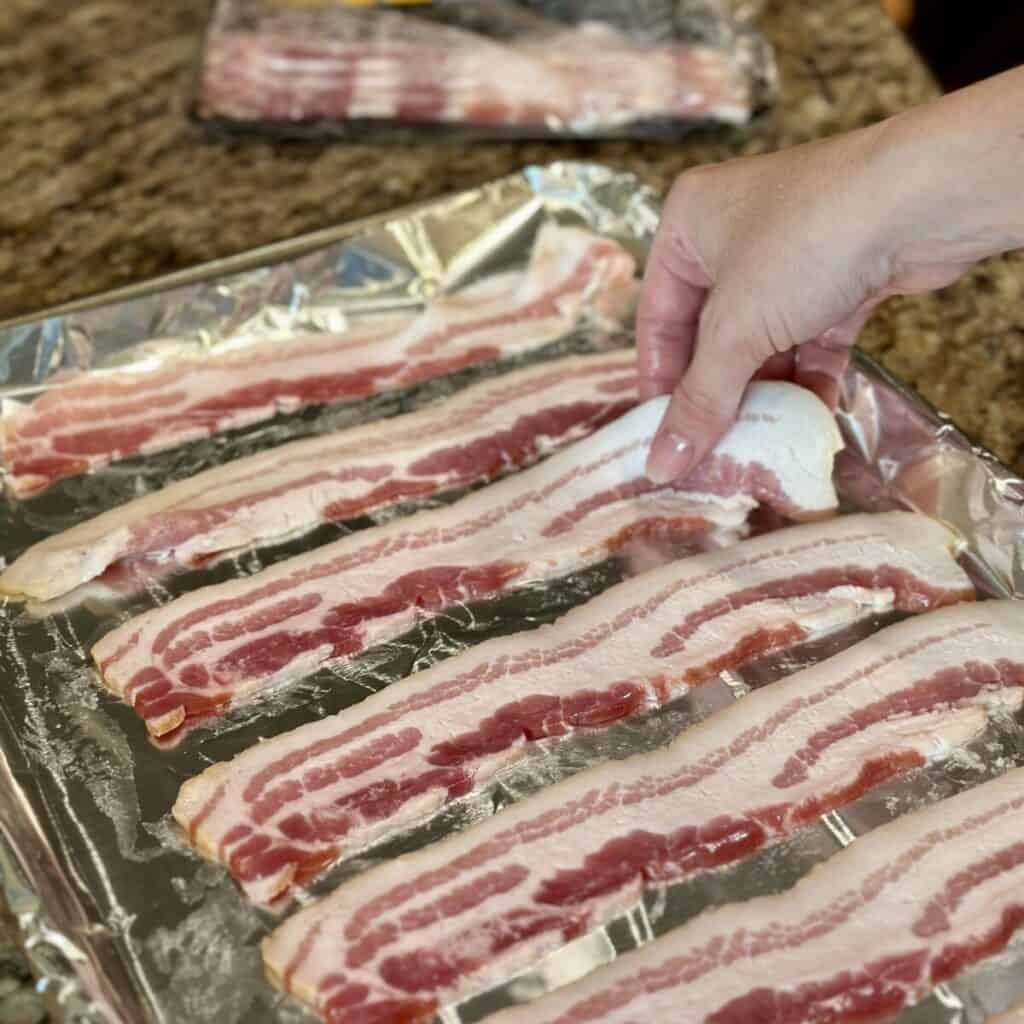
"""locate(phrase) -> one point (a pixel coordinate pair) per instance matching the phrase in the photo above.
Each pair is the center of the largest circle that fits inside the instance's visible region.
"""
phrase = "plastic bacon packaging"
(353, 670)
(481, 68)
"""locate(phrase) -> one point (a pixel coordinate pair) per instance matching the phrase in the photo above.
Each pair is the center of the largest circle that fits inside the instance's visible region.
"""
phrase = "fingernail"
(670, 457)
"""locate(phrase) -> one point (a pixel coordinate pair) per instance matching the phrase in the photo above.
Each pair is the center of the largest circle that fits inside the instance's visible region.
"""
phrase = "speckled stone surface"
(103, 182)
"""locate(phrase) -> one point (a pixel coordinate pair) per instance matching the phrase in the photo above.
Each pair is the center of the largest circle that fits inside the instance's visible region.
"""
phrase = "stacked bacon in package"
(482, 68)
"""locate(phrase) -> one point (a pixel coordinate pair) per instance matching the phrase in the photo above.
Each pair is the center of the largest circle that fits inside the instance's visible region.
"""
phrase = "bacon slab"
(100, 417)
(282, 810)
(870, 931)
(460, 916)
(482, 432)
(584, 80)
(221, 644)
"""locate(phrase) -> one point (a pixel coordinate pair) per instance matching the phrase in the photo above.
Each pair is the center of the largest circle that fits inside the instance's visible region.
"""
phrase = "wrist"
(956, 167)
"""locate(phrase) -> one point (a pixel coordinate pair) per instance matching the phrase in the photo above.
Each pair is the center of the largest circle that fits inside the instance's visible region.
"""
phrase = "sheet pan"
(120, 920)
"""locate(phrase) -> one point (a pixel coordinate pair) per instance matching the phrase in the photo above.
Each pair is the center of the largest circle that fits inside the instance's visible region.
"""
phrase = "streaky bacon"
(281, 811)
(103, 416)
(191, 658)
(865, 934)
(500, 424)
(458, 917)
(585, 81)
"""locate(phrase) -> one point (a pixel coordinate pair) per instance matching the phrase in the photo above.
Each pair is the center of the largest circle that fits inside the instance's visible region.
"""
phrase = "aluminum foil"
(121, 921)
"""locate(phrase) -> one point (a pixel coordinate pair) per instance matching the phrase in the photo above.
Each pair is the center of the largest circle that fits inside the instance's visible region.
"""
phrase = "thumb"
(706, 400)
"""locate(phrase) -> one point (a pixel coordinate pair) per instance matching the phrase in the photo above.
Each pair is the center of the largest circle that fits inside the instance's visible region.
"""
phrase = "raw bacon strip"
(870, 931)
(282, 810)
(491, 427)
(101, 417)
(220, 644)
(468, 913)
(581, 80)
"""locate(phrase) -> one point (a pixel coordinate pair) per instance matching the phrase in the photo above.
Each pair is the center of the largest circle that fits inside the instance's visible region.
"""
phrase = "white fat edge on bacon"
(890, 876)
(800, 455)
(557, 252)
(799, 707)
(650, 607)
(63, 561)
(783, 411)
(516, 515)
(617, 449)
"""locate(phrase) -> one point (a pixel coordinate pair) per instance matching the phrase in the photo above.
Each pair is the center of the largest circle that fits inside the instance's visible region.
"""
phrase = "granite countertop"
(104, 183)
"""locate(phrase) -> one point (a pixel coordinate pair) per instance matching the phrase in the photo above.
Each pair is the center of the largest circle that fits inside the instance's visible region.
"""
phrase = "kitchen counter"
(103, 182)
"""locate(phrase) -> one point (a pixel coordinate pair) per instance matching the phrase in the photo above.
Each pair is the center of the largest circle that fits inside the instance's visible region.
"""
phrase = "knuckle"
(732, 336)
(775, 334)
(696, 404)
(757, 347)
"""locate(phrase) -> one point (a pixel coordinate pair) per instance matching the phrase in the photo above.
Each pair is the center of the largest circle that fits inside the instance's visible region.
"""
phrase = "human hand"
(766, 267)
(770, 266)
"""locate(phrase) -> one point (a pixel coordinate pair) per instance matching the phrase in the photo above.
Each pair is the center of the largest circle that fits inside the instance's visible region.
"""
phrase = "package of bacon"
(353, 670)
(482, 68)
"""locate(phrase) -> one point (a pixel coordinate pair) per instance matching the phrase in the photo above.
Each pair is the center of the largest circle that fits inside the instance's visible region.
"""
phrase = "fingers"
(674, 290)
(703, 406)
(821, 363)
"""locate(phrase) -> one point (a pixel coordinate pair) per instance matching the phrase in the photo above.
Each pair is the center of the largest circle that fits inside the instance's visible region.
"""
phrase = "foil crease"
(121, 922)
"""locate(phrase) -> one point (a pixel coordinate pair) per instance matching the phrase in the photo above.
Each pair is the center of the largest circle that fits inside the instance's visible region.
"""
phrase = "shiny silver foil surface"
(121, 921)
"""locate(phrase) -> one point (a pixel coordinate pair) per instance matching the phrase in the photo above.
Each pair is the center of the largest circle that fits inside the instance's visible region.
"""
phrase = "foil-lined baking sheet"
(121, 920)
